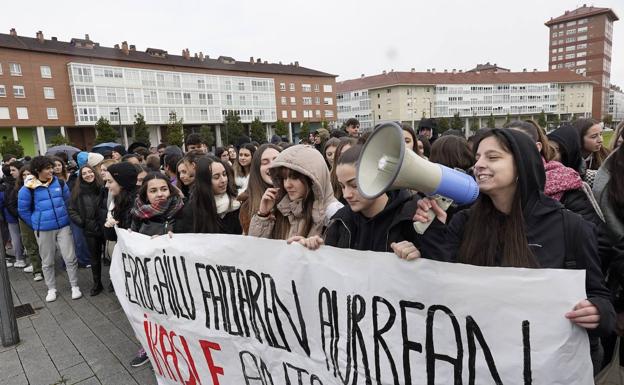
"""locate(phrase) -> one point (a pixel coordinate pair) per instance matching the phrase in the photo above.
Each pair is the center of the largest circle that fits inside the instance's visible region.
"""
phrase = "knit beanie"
(94, 159)
(125, 174)
(120, 149)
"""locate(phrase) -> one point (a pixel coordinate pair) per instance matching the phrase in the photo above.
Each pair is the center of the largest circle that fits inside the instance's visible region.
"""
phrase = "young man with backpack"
(42, 204)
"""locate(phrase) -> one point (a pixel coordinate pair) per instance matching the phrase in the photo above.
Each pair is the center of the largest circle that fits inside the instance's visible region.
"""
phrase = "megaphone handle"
(421, 227)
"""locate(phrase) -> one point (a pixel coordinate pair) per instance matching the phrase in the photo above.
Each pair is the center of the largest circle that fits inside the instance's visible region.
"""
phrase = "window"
(241, 86)
(82, 74)
(560, 49)
(328, 101)
(316, 88)
(553, 58)
(282, 86)
(570, 48)
(187, 98)
(86, 94)
(554, 66)
(581, 62)
(317, 100)
(150, 97)
(0, 68)
(18, 92)
(306, 88)
(46, 72)
(570, 31)
(571, 23)
(284, 113)
(292, 86)
(293, 114)
(2, 92)
(283, 100)
(292, 100)
(15, 69)
(571, 39)
(22, 113)
(327, 88)
(581, 46)
(554, 50)
(582, 30)
(317, 113)
(570, 56)
(582, 38)
(307, 101)
(52, 114)
(581, 54)
(329, 113)
(4, 113)
(48, 92)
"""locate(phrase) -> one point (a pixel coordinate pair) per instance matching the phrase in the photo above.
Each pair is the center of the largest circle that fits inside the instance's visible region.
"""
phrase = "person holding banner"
(157, 207)
(259, 181)
(514, 224)
(212, 206)
(301, 201)
(121, 183)
(366, 224)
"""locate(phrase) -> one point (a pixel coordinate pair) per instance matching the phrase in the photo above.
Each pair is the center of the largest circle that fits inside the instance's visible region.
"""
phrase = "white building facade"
(616, 104)
(120, 93)
(355, 104)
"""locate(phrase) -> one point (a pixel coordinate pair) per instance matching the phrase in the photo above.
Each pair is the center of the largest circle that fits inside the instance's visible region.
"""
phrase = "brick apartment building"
(581, 40)
(50, 87)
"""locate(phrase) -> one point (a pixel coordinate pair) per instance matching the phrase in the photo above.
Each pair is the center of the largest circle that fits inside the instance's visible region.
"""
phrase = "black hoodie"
(569, 141)
(544, 224)
(350, 230)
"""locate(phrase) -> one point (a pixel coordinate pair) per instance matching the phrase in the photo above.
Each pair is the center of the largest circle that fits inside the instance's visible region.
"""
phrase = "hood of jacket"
(308, 161)
(32, 182)
(569, 139)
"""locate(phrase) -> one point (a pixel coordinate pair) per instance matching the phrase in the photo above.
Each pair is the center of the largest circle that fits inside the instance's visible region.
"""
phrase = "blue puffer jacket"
(50, 204)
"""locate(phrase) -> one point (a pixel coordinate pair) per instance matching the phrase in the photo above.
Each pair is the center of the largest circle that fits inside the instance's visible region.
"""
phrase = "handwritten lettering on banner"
(219, 309)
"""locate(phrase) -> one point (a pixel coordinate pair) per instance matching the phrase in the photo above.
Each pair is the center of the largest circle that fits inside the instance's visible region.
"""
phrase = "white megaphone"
(385, 164)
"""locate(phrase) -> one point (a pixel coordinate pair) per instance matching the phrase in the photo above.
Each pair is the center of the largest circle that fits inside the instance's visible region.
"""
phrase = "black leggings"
(95, 246)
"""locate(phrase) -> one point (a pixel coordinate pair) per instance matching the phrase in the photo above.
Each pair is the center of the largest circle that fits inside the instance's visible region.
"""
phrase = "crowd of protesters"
(546, 201)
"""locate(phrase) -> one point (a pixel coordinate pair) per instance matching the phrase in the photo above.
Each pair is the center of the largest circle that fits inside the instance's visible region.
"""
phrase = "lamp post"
(122, 131)
(8, 322)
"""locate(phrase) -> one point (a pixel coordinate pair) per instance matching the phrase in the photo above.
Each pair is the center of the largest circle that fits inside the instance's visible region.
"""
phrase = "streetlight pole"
(8, 322)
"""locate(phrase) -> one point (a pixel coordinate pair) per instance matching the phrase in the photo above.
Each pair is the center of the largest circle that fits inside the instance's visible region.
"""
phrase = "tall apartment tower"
(580, 40)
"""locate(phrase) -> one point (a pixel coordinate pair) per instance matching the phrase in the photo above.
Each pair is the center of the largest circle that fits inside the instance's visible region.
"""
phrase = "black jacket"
(84, 210)
(229, 224)
(547, 237)
(349, 230)
(158, 225)
(124, 218)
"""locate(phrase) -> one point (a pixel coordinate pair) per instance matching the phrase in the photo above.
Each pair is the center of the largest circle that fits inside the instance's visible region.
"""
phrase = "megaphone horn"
(385, 164)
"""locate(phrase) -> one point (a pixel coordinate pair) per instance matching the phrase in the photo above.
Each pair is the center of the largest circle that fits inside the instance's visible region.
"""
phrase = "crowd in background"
(551, 200)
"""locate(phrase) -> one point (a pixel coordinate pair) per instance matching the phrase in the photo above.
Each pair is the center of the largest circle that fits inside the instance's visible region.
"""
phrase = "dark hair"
(17, 164)
(40, 163)
(63, 167)
(219, 151)
(194, 139)
(256, 185)
(162, 145)
(171, 162)
(352, 122)
(583, 125)
(8, 157)
(489, 233)
(202, 200)
(238, 169)
(19, 181)
(124, 201)
(155, 175)
(337, 133)
(344, 141)
(142, 152)
(76, 188)
(408, 128)
(281, 228)
(452, 151)
(477, 137)
(426, 144)
(128, 156)
(615, 186)
(61, 155)
(153, 162)
(351, 156)
(531, 128)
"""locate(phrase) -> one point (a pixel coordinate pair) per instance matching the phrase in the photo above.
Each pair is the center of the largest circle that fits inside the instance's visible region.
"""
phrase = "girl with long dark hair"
(513, 224)
(157, 207)
(186, 171)
(592, 147)
(259, 181)
(243, 165)
(212, 206)
(84, 212)
(121, 183)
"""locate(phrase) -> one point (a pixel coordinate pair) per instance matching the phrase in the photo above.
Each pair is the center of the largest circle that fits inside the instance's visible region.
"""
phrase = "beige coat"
(309, 162)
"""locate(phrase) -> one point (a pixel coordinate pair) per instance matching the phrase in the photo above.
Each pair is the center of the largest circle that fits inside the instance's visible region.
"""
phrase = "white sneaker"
(51, 297)
(19, 264)
(38, 277)
(9, 264)
(76, 293)
(28, 269)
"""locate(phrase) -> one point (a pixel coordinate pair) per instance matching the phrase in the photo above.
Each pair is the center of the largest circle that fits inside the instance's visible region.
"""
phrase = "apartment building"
(50, 87)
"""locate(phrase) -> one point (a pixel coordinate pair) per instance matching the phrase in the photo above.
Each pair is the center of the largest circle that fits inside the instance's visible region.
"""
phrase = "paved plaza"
(87, 341)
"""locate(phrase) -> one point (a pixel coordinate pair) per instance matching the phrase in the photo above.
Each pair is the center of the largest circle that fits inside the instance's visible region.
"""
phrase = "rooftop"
(90, 49)
(581, 13)
(433, 78)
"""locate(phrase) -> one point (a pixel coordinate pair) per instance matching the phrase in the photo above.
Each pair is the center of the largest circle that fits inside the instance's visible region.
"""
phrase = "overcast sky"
(342, 37)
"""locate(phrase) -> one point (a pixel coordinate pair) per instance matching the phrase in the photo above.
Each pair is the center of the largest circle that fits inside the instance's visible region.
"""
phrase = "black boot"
(96, 272)
(97, 289)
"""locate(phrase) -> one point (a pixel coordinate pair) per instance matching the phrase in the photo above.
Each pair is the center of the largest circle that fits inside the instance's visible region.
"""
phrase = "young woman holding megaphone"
(513, 224)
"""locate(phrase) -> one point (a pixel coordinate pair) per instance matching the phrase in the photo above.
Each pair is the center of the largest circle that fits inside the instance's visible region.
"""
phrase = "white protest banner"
(220, 309)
